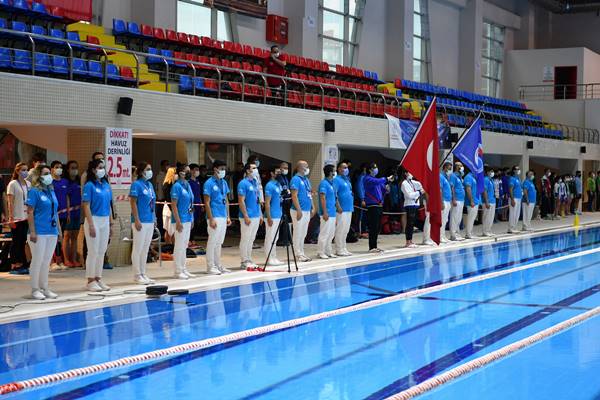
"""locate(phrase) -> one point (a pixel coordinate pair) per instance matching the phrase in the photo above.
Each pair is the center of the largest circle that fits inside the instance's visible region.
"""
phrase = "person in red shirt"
(275, 66)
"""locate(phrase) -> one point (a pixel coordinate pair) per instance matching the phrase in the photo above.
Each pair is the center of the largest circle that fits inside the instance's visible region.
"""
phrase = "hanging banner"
(401, 131)
(119, 146)
(331, 155)
(395, 133)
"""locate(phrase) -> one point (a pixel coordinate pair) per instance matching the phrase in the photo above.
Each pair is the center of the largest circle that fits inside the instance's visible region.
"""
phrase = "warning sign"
(118, 157)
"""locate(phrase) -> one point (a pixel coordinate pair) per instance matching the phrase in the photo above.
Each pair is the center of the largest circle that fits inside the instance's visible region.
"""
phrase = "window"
(492, 55)
(340, 21)
(421, 46)
(196, 19)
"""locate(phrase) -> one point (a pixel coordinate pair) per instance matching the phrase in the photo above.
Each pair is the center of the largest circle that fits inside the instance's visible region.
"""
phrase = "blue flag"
(409, 128)
(470, 152)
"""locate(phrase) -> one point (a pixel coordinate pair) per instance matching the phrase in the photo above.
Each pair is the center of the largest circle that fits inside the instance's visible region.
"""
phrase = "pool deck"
(69, 284)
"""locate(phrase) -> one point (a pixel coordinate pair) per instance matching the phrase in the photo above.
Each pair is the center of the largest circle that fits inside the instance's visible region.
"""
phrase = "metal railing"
(299, 86)
(582, 91)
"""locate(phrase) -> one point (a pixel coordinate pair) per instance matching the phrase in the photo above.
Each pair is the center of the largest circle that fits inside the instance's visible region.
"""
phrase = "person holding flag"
(446, 197)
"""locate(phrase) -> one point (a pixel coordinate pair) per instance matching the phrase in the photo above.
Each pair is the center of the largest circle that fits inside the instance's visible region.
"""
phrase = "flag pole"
(461, 137)
(434, 100)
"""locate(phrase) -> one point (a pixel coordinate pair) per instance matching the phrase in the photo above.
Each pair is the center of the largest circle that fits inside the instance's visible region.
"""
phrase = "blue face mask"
(346, 172)
(375, 171)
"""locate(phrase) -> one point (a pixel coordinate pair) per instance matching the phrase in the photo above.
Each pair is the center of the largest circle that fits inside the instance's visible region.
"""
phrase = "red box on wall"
(277, 29)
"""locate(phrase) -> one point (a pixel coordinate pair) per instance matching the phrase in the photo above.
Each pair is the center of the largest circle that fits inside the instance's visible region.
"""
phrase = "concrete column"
(193, 152)
(471, 37)
(524, 164)
(524, 38)
(399, 39)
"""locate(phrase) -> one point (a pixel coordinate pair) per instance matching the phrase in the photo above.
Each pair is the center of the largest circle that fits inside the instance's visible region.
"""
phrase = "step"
(160, 87)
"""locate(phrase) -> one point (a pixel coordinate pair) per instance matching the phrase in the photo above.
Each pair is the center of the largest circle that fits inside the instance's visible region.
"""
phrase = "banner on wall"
(75, 10)
(331, 155)
(118, 149)
(395, 133)
(401, 131)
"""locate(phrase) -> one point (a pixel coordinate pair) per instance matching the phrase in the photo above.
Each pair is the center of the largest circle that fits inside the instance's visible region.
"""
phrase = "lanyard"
(25, 191)
(52, 212)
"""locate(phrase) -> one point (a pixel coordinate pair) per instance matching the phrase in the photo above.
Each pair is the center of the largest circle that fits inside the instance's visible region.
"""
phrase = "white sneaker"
(55, 267)
(148, 280)
(93, 287)
(37, 294)
(140, 280)
(429, 242)
(181, 275)
(467, 237)
(49, 294)
(331, 255)
(103, 286)
(274, 262)
(345, 253)
(223, 270)
(188, 273)
(213, 271)
(411, 246)
(304, 259)
(444, 239)
(376, 250)
(323, 256)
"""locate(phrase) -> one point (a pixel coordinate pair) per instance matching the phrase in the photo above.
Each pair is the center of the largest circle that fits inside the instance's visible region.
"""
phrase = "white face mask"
(491, 174)
(284, 172)
(462, 170)
(255, 173)
(74, 173)
(449, 172)
(148, 174)
(58, 171)
(100, 173)
(306, 171)
(221, 174)
(334, 174)
(409, 176)
(46, 180)
(517, 172)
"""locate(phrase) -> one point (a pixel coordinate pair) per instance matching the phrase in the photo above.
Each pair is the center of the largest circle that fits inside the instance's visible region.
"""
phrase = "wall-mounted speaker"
(530, 144)
(582, 149)
(330, 125)
(125, 105)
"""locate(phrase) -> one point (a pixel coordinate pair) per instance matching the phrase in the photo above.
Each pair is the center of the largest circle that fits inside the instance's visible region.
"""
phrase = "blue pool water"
(369, 354)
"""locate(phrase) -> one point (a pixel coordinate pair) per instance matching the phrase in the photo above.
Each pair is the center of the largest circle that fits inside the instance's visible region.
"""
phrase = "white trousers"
(300, 230)
(326, 234)
(216, 236)
(488, 218)
(271, 237)
(180, 247)
(471, 217)
(96, 246)
(342, 227)
(427, 228)
(445, 215)
(513, 214)
(141, 246)
(248, 234)
(455, 218)
(41, 256)
(527, 214)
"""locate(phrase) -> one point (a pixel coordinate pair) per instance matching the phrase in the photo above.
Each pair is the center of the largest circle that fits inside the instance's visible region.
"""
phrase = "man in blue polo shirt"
(529, 199)
(249, 213)
(327, 212)
(302, 208)
(515, 192)
(472, 202)
(458, 200)
(216, 204)
(446, 198)
(489, 202)
(273, 214)
(345, 207)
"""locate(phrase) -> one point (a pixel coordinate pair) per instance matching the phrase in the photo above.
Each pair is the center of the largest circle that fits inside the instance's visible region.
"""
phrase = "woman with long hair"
(143, 202)
(167, 184)
(97, 198)
(182, 207)
(44, 230)
(17, 192)
(73, 223)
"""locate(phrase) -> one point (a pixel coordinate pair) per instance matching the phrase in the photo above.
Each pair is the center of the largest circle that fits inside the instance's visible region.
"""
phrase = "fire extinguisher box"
(277, 29)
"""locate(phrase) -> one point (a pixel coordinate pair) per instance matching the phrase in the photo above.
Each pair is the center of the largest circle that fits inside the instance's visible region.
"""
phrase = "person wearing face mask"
(217, 214)
(302, 208)
(16, 195)
(546, 195)
(498, 192)
(182, 209)
(458, 200)
(96, 201)
(345, 207)
(578, 193)
(472, 201)
(36, 160)
(560, 196)
(286, 196)
(253, 159)
(44, 230)
(275, 66)
(591, 191)
(73, 224)
(250, 215)
(374, 190)
(273, 214)
(515, 193)
(489, 202)
(142, 199)
(446, 198)
(327, 212)
(529, 199)
(412, 191)
(61, 187)
(196, 187)
(167, 184)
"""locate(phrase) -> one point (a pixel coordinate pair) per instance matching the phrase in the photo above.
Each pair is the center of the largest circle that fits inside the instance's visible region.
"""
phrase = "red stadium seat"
(159, 34)
(206, 41)
(236, 64)
(195, 40)
(217, 44)
(237, 48)
(325, 66)
(147, 30)
(171, 35)
(310, 63)
(228, 46)
(258, 52)
(293, 59)
(181, 56)
(246, 66)
(302, 62)
(257, 68)
(214, 61)
(247, 50)
(183, 38)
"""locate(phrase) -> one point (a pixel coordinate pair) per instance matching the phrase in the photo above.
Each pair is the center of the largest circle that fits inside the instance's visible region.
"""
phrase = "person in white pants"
(472, 199)
(142, 199)
(96, 202)
(44, 231)
(249, 214)
(182, 205)
(273, 215)
(344, 206)
(515, 194)
(489, 202)
(302, 208)
(458, 200)
(327, 212)
(216, 204)
(446, 198)
(529, 199)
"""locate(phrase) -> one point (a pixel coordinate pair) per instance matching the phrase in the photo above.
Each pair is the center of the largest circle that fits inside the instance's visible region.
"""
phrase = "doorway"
(565, 83)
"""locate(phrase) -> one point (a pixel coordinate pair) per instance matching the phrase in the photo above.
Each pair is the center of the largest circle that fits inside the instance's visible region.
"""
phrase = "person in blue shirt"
(375, 189)
(142, 199)
(44, 230)
(302, 208)
(286, 196)
(96, 200)
(515, 192)
(216, 204)
(446, 198)
(250, 214)
(529, 199)
(489, 202)
(73, 223)
(196, 186)
(359, 187)
(60, 186)
(472, 202)
(345, 208)
(182, 205)
(458, 200)
(273, 215)
(327, 212)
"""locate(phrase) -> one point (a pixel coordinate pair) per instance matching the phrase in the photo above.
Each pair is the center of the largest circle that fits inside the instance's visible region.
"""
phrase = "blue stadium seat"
(95, 69)
(112, 71)
(19, 26)
(39, 8)
(168, 53)
(74, 36)
(185, 84)
(38, 30)
(153, 60)
(119, 27)
(59, 66)
(57, 33)
(21, 60)
(42, 62)
(199, 83)
(4, 3)
(20, 5)
(4, 57)
(3, 23)
(133, 29)
(80, 67)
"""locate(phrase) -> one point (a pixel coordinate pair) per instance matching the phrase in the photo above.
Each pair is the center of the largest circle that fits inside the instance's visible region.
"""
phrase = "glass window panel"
(417, 24)
(352, 7)
(337, 5)
(417, 6)
(351, 27)
(333, 51)
(193, 19)
(417, 71)
(222, 28)
(417, 48)
(333, 25)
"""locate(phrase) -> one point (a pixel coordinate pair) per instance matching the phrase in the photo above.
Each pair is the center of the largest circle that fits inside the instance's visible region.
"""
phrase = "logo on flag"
(470, 152)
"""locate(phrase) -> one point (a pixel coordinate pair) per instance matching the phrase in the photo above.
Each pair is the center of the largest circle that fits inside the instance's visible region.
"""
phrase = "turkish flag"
(421, 160)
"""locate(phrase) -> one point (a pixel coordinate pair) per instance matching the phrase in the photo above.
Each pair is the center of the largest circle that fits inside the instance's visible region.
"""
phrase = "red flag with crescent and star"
(421, 160)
